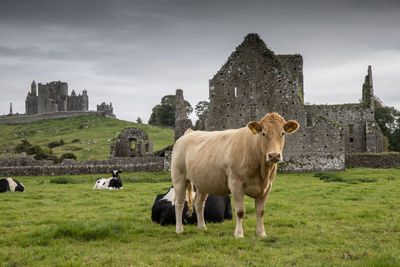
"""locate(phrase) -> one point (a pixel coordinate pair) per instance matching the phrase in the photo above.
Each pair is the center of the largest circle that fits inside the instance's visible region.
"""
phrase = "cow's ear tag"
(254, 131)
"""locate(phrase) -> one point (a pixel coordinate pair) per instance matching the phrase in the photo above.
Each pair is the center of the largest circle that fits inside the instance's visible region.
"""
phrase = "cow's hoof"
(178, 231)
(202, 227)
(239, 235)
(262, 234)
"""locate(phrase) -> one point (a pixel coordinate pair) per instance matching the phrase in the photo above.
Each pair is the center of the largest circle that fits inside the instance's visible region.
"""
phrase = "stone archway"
(132, 136)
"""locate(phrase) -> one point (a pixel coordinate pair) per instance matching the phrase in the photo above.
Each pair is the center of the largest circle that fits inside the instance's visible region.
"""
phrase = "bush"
(68, 156)
(56, 143)
(23, 147)
(41, 155)
(53, 158)
(75, 141)
(35, 150)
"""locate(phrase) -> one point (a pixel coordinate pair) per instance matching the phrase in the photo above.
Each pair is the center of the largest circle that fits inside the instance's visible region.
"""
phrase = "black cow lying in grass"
(217, 209)
(12, 185)
(111, 183)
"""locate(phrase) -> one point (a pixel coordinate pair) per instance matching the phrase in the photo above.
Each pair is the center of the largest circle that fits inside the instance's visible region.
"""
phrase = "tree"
(201, 110)
(388, 119)
(139, 120)
(164, 113)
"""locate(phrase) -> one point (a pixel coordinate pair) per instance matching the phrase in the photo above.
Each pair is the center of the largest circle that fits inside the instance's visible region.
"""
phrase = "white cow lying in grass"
(111, 183)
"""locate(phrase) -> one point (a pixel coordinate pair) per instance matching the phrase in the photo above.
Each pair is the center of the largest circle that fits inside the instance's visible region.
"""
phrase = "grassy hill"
(95, 135)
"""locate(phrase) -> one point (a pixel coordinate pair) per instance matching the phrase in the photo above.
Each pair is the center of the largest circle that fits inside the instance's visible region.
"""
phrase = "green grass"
(95, 135)
(309, 222)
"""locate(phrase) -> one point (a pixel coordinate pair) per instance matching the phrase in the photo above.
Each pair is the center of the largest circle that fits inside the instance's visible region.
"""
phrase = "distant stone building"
(254, 81)
(132, 142)
(53, 97)
(106, 109)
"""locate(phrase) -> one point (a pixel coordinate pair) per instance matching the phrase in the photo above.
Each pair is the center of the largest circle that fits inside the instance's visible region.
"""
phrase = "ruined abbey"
(53, 97)
(254, 81)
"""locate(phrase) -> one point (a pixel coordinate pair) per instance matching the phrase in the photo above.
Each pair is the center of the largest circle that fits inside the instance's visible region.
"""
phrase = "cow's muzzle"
(274, 157)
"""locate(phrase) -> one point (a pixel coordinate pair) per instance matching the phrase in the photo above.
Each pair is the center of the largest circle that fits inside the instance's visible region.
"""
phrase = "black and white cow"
(217, 209)
(12, 185)
(111, 183)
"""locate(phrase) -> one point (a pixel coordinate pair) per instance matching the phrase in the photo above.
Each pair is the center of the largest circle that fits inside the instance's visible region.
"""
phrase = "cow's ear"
(291, 126)
(119, 171)
(254, 126)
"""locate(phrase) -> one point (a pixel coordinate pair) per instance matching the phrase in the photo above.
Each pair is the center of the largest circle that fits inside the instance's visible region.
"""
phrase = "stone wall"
(46, 116)
(373, 160)
(25, 166)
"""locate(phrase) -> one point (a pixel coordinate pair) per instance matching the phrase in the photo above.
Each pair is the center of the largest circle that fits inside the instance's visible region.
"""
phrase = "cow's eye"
(263, 134)
(282, 133)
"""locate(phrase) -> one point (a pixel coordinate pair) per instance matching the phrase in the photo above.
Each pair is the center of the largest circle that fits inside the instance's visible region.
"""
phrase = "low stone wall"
(312, 162)
(25, 166)
(50, 115)
(373, 160)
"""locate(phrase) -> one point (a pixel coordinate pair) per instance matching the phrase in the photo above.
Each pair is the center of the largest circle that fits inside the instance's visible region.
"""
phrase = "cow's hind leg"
(180, 184)
(260, 206)
(199, 205)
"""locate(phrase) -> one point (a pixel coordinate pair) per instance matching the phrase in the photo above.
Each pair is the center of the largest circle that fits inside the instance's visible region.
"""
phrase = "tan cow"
(238, 162)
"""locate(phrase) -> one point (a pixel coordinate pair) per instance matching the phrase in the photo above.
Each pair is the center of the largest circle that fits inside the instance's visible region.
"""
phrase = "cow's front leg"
(238, 200)
(199, 205)
(260, 206)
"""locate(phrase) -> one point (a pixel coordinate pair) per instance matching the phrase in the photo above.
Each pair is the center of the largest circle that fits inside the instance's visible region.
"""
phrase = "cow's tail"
(189, 197)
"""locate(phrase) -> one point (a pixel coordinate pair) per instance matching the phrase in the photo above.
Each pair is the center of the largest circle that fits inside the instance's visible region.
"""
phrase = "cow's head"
(20, 187)
(271, 130)
(115, 173)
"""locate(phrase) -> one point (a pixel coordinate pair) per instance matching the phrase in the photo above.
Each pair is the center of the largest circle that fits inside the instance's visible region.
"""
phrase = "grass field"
(350, 220)
(95, 135)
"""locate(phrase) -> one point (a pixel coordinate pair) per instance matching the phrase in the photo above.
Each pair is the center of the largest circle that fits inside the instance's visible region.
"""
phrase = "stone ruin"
(254, 81)
(132, 142)
(182, 123)
(53, 97)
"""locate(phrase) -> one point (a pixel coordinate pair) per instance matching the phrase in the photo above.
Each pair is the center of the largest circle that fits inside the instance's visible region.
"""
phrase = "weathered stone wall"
(46, 116)
(373, 160)
(312, 162)
(358, 124)
(23, 166)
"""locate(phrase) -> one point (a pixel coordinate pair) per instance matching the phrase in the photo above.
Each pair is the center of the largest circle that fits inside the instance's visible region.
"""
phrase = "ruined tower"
(182, 123)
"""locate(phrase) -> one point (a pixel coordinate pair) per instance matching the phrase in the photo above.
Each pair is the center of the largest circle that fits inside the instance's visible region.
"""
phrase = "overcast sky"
(132, 53)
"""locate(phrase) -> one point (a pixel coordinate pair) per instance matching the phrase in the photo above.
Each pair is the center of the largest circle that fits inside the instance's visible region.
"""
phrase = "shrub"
(56, 143)
(68, 156)
(23, 147)
(53, 158)
(35, 150)
(75, 141)
(41, 155)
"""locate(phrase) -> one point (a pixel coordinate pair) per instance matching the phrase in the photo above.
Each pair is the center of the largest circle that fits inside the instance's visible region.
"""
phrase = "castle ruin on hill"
(53, 97)
(254, 81)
